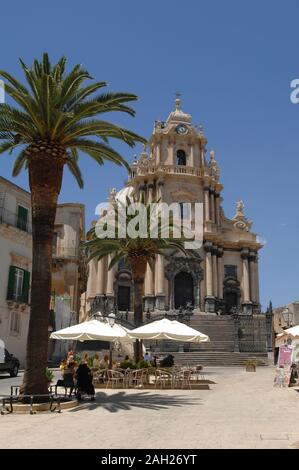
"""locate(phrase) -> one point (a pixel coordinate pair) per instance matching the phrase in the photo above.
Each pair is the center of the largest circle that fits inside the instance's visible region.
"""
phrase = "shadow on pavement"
(126, 401)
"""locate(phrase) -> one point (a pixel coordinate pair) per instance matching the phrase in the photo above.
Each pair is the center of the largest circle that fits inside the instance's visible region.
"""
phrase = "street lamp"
(287, 317)
(111, 319)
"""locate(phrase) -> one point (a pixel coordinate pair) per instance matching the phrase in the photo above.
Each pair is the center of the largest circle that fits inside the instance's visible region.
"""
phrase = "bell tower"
(176, 142)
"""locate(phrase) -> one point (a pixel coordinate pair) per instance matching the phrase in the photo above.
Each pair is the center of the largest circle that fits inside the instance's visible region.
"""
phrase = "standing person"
(84, 381)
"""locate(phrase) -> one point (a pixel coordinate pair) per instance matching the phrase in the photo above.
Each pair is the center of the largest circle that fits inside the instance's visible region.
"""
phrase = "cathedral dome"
(178, 115)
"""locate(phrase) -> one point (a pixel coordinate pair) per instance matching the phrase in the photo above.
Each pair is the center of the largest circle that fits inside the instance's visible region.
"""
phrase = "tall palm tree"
(56, 117)
(135, 251)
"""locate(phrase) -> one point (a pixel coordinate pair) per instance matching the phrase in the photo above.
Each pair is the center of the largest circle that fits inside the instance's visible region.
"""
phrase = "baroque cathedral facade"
(223, 278)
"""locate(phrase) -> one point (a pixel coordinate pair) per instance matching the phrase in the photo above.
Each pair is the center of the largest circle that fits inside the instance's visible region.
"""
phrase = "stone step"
(218, 358)
(213, 345)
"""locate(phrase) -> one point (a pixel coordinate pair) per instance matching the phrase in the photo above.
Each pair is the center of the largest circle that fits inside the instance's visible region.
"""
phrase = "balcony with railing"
(14, 220)
(144, 170)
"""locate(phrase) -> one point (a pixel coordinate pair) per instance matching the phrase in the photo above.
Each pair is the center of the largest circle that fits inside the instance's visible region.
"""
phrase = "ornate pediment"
(240, 221)
(189, 265)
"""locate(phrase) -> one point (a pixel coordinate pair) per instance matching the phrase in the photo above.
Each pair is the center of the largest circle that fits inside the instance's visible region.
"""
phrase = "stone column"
(142, 189)
(160, 294)
(212, 206)
(209, 300)
(149, 281)
(257, 285)
(215, 274)
(247, 305)
(170, 156)
(191, 163)
(160, 185)
(92, 278)
(252, 273)
(202, 156)
(150, 196)
(207, 203)
(220, 273)
(101, 277)
(110, 278)
(217, 208)
(158, 153)
(149, 288)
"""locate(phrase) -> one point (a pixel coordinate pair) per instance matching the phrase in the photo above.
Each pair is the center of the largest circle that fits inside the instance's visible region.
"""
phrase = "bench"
(66, 385)
(9, 401)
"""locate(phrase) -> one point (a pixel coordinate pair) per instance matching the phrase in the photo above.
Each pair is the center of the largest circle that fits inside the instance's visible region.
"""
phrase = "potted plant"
(50, 375)
(251, 364)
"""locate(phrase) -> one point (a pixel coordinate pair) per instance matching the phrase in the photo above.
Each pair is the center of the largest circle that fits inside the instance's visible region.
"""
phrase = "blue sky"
(233, 62)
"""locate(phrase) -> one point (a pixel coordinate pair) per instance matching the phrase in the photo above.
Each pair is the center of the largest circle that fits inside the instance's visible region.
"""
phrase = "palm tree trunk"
(138, 301)
(138, 273)
(45, 177)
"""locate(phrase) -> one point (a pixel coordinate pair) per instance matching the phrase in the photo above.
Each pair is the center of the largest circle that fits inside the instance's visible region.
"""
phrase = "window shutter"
(26, 287)
(22, 218)
(11, 283)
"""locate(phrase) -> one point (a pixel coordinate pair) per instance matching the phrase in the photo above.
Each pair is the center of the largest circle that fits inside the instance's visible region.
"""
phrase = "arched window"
(181, 158)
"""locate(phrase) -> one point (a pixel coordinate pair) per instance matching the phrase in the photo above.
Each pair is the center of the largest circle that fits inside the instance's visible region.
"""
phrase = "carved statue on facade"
(239, 220)
(213, 166)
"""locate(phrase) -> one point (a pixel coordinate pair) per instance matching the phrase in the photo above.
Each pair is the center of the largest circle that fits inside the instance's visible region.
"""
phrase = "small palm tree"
(136, 251)
(55, 119)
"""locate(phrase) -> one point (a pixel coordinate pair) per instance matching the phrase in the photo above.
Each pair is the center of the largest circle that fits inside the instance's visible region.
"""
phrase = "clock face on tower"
(182, 129)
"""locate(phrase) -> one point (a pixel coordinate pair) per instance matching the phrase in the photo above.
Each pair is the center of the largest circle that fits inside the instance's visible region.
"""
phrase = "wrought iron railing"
(166, 169)
(252, 346)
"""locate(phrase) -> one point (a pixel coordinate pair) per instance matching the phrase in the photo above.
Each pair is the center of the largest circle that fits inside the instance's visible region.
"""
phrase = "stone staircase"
(220, 330)
(218, 351)
(217, 358)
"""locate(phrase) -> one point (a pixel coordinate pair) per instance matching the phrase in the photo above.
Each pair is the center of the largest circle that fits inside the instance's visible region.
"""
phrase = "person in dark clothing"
(84, 381)
(293, 375)
(68, 377)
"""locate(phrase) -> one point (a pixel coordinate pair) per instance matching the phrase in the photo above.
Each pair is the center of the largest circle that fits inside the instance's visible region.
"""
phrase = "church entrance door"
(123, 298)
(231, 301)
(183, 290)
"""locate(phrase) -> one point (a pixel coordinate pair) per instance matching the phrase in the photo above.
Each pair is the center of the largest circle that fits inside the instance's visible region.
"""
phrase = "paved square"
(240, 410)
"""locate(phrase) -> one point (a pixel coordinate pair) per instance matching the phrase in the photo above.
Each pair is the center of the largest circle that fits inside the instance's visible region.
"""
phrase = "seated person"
(148, 356)
(84, 381)
(104, 364)
(63, 366)
(68, 378)
(127, 359)
(96, 362)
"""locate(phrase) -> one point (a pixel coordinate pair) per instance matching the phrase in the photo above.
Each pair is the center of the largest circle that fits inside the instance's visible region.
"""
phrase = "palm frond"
(19, 163)
(59, 107)
(74, 168)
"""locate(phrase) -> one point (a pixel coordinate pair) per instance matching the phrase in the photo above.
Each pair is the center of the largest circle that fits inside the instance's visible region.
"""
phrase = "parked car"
(8, 362)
